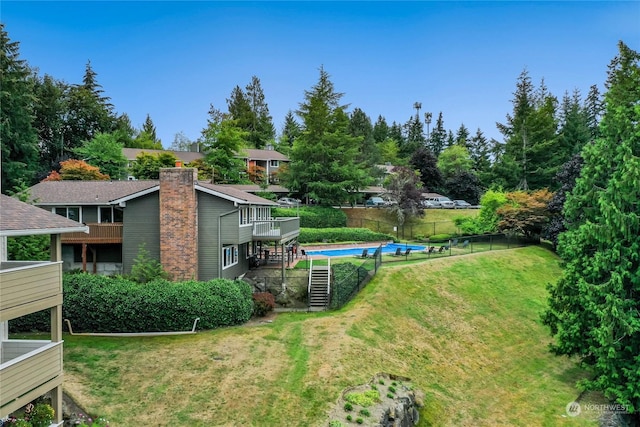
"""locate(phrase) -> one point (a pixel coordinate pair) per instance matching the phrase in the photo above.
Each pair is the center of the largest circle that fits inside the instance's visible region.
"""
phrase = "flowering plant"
(82, 420)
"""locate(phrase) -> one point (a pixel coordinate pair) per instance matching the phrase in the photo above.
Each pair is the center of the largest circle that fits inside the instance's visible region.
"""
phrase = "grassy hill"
(435, 221)
(466, 330)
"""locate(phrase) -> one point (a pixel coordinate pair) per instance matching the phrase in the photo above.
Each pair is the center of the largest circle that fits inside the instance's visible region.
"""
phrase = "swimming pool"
(389, 248)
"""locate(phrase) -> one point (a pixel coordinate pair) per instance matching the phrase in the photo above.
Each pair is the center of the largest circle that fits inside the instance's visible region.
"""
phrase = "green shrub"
(263, 302)
(347, 278)
(106, 304)
(348, 406)
(335, 423)
(365, 412)
(313, 235)
(314, 216)
(145, 268)
(359, 420)
(366, 398)
(440, 237)
(349, 417)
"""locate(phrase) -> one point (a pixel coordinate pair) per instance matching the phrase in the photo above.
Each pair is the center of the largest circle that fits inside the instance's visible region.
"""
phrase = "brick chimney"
(179, 223)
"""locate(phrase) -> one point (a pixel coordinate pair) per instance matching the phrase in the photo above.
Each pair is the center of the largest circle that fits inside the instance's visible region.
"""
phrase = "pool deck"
(359, 245)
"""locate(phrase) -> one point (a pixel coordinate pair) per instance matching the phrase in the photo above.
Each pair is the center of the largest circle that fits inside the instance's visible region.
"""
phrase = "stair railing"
(328, 280)
(309, 287)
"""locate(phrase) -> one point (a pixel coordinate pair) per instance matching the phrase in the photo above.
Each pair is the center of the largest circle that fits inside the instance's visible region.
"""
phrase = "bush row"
(314, 217)
(105, 304)
(315, 235)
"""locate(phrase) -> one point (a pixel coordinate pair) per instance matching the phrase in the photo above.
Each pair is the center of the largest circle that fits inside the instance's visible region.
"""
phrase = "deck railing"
(277, 228)
(104, 232)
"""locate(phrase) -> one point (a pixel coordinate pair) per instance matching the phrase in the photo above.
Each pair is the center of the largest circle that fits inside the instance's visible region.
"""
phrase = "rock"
(397, 407)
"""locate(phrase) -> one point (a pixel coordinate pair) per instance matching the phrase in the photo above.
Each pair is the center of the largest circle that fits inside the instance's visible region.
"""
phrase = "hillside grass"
(435, 221)
(465, 329)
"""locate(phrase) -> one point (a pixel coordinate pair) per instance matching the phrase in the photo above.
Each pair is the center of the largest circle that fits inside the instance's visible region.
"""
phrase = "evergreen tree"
(50, 109)
(323, 160)
(480, 152)
(593, 110)
(438, 137)
(462, 137)
(415, 139)
(290, 131)
(262, 132)
(124, 130)
(380, 130)
(89, 112)
(593, 308)
(541, 140)
(18, 137)
(150, 129)
(360, 126)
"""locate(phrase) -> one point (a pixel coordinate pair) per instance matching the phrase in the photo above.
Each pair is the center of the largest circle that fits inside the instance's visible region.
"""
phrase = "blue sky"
(171, 60)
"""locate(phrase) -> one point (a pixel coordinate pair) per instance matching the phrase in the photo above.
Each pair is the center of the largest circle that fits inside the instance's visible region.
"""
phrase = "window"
(245, 216)
(106, 214)
(67, 212)
(274, 163)
(229, 255)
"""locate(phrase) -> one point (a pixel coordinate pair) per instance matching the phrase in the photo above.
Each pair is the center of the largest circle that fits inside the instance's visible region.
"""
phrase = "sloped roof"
(22, 219)
(67, 193)
(255, 188)
(86, 192)
(234, 194)
(254, 154)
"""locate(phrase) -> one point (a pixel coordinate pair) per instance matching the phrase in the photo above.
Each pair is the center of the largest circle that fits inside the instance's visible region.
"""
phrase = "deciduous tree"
(104, 152)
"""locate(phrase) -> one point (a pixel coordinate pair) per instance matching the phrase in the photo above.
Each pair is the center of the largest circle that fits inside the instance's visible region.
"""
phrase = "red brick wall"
(179, 223)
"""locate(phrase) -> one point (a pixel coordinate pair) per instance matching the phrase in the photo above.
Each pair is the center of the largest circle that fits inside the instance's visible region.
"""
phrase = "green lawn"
(465, 329)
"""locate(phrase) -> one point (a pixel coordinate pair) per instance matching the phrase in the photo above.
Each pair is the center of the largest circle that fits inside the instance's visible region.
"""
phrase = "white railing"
(328, 280)
(310, 274)
(278, 227)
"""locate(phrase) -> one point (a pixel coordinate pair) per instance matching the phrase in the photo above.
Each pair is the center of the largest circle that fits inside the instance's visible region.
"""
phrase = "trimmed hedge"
(314, 216)
(315, 235)
(105, 304)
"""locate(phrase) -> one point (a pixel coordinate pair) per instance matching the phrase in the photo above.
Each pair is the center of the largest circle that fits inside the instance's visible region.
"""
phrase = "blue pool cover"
(389, 248)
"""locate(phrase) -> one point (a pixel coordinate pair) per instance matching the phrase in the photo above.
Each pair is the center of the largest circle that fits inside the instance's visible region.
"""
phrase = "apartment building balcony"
(281, 230)
(29, 286)
(28, 368)
(32, 367)
(103, 232)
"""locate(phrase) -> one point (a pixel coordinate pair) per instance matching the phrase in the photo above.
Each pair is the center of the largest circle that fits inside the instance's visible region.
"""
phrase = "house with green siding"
(197, 230)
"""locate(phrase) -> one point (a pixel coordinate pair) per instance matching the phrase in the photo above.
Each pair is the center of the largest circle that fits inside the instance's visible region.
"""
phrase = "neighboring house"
(31, 368)
(269, 160)
(196, 230)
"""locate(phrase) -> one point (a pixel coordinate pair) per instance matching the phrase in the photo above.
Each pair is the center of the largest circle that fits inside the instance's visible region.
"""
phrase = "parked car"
(428, 204)
(375, 201)
(288, 202)
(461, 204)
(442, 201)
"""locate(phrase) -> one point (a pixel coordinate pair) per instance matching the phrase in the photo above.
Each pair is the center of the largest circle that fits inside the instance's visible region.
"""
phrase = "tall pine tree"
(594, 309)
(18, 137)
(323, 160)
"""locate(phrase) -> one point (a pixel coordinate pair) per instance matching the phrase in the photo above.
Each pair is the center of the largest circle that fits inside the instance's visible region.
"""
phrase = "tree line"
(334, 152)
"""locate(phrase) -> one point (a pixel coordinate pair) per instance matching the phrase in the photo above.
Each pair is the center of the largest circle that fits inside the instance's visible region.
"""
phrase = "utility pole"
(417, 106)
(427, 120)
